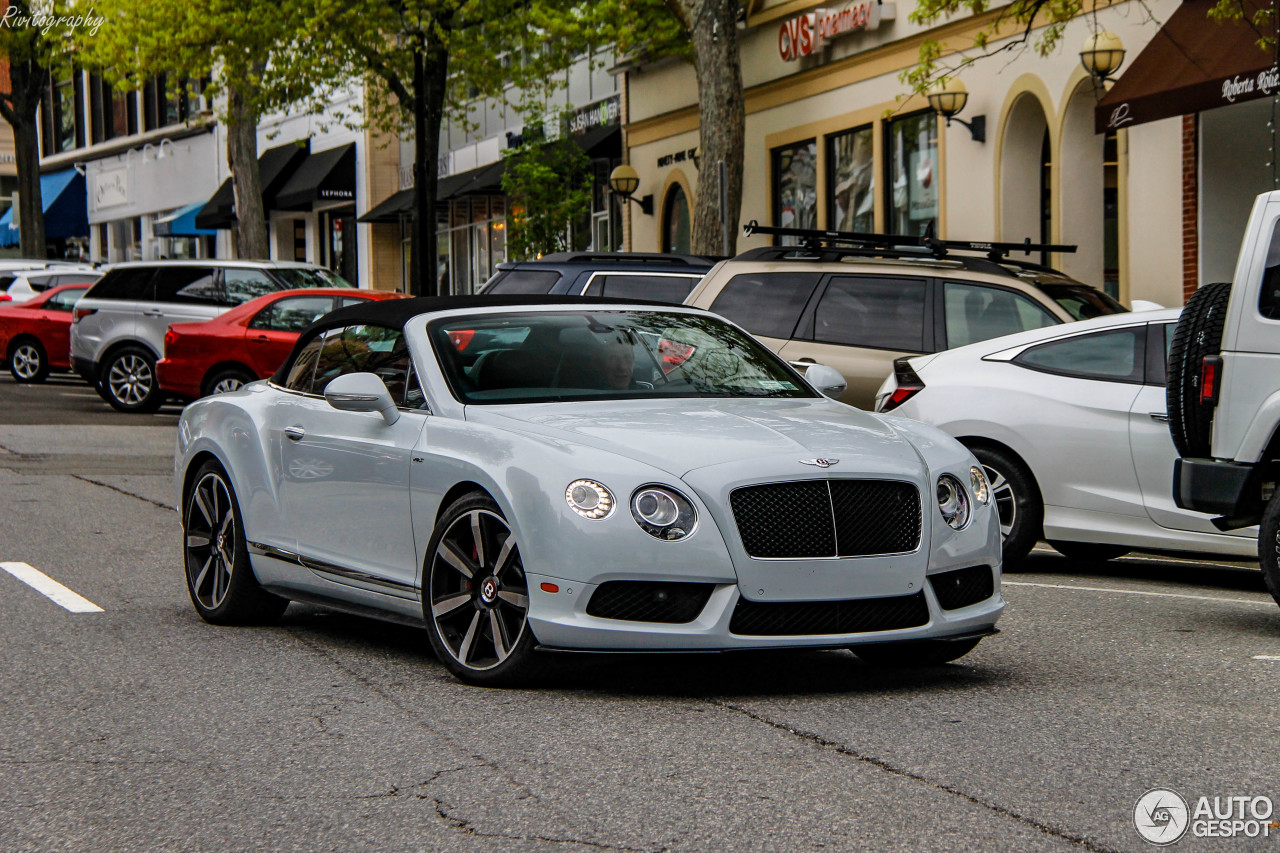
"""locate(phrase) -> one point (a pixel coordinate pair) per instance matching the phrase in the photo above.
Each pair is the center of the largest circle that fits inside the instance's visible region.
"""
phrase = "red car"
(248, 342)
(35, 336)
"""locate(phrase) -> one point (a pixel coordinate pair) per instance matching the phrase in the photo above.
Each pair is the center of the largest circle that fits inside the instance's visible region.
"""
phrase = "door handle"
(262, 338)
(151, 313)
(294, 433)
(1159, 416)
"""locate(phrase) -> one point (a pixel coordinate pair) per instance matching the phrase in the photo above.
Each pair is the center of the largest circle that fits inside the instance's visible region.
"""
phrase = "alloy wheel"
(26, 361)
(1006, 500)
(230, 383)
(210, 540)
(130, 379)
(479, 592)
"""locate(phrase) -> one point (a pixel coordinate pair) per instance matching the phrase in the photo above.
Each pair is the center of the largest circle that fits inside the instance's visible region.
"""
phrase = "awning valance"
(325, 176)
(1192, 64)
(182, 223)
(275, 165)
(66, 208)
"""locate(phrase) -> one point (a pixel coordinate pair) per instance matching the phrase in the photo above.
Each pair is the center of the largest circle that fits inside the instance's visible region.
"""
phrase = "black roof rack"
(834, 245)
(657, 258)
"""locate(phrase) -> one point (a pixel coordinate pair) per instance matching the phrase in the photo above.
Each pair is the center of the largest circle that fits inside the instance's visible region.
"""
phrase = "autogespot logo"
(1161, 816)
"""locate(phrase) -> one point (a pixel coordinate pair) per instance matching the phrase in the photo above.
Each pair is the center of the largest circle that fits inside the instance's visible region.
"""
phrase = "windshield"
(603, 355)
(1081, 301)
(304, 277)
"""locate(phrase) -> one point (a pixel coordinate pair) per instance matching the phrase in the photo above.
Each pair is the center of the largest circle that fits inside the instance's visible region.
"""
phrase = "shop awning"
(1191, 64)
(65, 204)
(601, 142)
(484, 180)
(182, 223)
(275, 165)
(397, 205)
(325, 176)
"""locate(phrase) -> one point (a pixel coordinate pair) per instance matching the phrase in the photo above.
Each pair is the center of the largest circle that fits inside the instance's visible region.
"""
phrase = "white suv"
(1224, 393)
(118, 328)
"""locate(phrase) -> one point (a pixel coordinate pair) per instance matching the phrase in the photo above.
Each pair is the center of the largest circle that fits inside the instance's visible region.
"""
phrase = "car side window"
(1114, 356)
(241, 285)
(130, 284)
(65, 300)
(304, 366)
(881, 313)
(1159, 339)
(293, 314)
(977, 313)
(766, 304)
(414, 398)
(344, 301)
(364, 349)
(188, 285)
(659, 288)
(521, 282)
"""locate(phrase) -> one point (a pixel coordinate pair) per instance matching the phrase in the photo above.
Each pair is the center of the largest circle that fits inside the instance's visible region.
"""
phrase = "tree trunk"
(27, 83)
(246, 181)
(713, 28)
(431, 68)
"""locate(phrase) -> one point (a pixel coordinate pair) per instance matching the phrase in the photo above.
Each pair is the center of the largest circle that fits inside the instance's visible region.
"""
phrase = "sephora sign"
(805, 34)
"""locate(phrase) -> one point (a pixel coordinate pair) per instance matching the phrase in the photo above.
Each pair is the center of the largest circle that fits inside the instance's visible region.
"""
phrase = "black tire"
(1089, 552)
(222, 585)
(128, 381)
(474, 593)
(1269, 546)
(1198, 334)
(914, 654)
(226, 379)
(28, 362)
(1017, 497)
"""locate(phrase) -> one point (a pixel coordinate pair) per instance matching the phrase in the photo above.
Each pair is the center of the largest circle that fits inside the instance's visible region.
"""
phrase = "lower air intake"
(962, 587)
(649, 601)
(858, 616)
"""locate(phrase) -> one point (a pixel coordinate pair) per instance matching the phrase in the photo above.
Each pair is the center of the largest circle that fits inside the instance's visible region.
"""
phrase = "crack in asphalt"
(84, 479)
(464, 826)
(881, 764)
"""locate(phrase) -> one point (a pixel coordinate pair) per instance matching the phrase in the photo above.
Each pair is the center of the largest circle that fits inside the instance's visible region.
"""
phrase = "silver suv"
(118, 328)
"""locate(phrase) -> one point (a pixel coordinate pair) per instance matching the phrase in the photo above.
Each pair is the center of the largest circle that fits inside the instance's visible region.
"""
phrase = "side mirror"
(829, 381)
(362, 392)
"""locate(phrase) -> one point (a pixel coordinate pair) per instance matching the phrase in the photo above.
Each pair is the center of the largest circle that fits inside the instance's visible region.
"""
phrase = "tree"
(548, 185)
(256, 52)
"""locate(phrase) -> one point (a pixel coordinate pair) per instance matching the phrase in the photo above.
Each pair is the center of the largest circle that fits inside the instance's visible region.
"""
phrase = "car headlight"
(981, 489)
(663, 512)
(953, 501)
(589, 499)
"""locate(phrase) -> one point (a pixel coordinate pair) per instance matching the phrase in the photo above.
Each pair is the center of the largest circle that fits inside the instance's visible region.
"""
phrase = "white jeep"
(1224, 393)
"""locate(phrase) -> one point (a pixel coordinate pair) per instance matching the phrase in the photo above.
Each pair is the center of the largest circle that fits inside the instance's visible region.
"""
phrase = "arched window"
(675, 221)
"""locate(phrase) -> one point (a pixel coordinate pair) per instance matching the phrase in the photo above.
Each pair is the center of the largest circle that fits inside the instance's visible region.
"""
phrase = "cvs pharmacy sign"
(805, 34)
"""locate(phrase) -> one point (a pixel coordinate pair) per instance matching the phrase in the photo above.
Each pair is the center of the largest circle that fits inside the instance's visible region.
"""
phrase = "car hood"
(679, 436)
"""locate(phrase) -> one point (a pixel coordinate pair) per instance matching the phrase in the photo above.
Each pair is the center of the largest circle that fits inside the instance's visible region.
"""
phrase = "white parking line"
(50, 588)
(1266, 657)
(1137, 592)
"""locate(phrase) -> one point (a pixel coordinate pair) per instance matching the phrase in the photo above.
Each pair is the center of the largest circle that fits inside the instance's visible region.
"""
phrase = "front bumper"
(560, 621)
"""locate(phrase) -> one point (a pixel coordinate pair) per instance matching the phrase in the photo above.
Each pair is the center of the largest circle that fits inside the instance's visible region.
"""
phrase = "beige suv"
(858, 301)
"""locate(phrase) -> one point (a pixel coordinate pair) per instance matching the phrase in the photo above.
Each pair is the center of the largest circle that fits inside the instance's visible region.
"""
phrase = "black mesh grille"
(962, 587)
(785, 519)
(827, 518)
(646, 601)
(764, 619)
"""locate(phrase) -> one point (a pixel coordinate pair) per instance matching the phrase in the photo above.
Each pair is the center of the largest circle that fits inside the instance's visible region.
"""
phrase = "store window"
(795, 187)
(676, 231)
(851, 180)
(62, 116)
(911, 197)
(113, 113)
(167, 100)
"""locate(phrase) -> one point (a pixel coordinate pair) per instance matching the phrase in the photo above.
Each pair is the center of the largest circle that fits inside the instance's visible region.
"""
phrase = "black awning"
(601, 142)
(397, 205)
(325, 176)
(275, 165)
(1192, 64)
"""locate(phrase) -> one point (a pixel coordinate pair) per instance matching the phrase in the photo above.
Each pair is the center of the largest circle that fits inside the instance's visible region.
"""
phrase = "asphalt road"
(140, 728)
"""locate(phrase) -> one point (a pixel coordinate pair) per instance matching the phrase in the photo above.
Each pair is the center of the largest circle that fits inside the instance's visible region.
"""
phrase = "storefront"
(831, 142)
(66, 230)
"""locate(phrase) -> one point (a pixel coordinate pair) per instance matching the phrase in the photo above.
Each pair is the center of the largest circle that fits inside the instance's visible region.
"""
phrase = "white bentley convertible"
(517, 473)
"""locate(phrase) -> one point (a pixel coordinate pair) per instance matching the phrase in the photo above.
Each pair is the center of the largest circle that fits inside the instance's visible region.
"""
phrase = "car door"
(975, 312)
(55, 323)
(272, 332)
(1152, 445)
(859, 325)
(1084, 390)
(346, 475)
(183, 293)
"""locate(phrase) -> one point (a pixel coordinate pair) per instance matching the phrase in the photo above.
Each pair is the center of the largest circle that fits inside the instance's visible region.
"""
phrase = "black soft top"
(395, 313)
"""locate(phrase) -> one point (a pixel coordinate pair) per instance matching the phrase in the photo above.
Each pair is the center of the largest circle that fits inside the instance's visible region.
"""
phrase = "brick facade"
(1190, 205)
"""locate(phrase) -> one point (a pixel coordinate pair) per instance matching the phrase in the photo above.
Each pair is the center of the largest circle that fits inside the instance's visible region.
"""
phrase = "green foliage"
(548, 187)
(1263, 20)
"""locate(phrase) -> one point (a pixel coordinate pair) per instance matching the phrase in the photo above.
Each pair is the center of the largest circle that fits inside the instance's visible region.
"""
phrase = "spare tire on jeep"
(1199, 333)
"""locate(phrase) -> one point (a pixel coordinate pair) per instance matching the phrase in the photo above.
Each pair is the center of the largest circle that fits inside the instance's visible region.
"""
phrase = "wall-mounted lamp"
(624, 181)
(949, 99)
(1102, 55)
(149, 148)
(160, 154)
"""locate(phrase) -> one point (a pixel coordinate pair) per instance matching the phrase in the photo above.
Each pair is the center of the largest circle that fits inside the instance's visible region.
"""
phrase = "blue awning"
(66, 208)
(182, 223)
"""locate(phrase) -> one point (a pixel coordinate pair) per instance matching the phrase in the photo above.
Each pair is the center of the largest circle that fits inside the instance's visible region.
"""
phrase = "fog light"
(953, 502)
(589, 499)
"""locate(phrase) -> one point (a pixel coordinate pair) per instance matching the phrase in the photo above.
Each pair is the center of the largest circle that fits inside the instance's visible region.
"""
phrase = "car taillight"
(4, 297)
(169, 337)
(909, 385)
(1210, 379)
(78, 314)
(461, 338)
